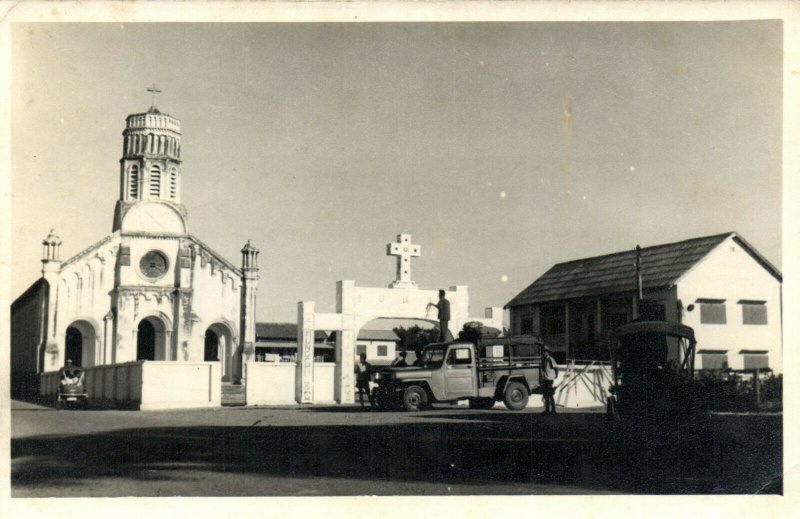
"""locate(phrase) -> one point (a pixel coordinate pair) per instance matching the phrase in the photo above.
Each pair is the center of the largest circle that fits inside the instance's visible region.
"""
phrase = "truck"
(483, 372)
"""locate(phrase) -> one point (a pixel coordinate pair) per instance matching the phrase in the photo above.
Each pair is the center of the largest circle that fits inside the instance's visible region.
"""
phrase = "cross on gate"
(404, 251)
(154, 91)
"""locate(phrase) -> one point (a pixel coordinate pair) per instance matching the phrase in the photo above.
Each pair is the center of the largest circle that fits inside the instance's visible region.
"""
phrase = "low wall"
(270, 382)
(324, 382)
(583, 385)
(273, 383)
(148, 385)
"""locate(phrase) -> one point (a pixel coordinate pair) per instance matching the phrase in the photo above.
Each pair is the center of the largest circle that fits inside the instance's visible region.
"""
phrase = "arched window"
(155, 181)
(173, 183)
(133, 177)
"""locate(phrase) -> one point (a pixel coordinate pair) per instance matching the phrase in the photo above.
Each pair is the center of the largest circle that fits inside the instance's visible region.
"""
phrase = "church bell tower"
(150, 168)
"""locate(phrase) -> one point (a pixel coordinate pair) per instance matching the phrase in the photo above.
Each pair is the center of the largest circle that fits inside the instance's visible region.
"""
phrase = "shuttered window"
(134, 182)
(714, 360)
(155, 181)
(361, 348)
(755, 360)
(383, 351)
(173, 183)
(712, 312)
(754, 312)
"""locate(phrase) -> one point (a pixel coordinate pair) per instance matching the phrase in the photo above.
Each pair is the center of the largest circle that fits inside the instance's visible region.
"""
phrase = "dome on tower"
(150, 175)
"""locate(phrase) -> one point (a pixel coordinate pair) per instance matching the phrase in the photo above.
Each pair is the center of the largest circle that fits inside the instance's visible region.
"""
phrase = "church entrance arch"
(219, 347)
(79, 343)
(152, 339)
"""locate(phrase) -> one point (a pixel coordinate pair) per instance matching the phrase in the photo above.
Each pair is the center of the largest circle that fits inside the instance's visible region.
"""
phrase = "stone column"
(108, 337)
(51, 269)
(344, 376)
(304, 376)
(248, 310)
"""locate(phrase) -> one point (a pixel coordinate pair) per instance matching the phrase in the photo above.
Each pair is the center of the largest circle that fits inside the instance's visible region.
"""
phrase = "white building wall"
(730, 273)
(372, 302)
(216, 299)
(82, 299)
(372, 350)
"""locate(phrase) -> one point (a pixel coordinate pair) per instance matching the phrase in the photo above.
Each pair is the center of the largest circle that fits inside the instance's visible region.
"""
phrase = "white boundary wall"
(275, 383)
(148, 385)
(270, 382)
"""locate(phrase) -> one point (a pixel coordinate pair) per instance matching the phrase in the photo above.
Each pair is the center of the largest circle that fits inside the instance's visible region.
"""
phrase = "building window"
(526, 326)
(173, 183)
(361, 348)
(134, 182)
(552, 320)
(713, 360)
(712, 311)
(155, 181)
(617, 319)
(755, 359)
(754, 312)
(383, 351)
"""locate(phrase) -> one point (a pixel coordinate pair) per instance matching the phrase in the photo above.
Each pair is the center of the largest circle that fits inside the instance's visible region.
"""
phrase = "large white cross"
(404, 251)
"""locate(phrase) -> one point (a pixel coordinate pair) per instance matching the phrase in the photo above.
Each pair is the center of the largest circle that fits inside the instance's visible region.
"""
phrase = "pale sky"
(503, 148)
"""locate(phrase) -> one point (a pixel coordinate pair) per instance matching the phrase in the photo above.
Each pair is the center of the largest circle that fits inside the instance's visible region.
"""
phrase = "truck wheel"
(481, 403)
(515, 396)
(414, 398)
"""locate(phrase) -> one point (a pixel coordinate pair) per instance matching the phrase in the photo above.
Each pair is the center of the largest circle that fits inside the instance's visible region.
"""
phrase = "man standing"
(362, 379)
(444, 315)
(548, 373)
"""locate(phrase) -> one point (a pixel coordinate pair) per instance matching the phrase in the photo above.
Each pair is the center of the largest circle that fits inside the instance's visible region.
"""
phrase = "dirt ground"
(347, 450)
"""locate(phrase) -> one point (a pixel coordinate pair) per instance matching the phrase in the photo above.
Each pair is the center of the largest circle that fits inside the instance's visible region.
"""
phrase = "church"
(159, 320)
(149, 291)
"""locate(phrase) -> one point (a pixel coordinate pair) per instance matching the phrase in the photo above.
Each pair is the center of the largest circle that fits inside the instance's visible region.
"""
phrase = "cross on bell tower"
(404, 251)
(153, 90)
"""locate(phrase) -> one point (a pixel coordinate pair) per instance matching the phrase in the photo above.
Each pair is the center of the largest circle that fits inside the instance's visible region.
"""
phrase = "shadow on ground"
(492, 449)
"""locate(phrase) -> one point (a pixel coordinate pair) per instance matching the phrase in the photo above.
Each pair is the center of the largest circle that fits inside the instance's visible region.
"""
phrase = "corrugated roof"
(661, 266)
(377, 335)
(283, 331)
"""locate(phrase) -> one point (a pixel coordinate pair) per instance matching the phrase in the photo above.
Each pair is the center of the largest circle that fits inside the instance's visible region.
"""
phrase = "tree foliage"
(474, 330)
(415, 338)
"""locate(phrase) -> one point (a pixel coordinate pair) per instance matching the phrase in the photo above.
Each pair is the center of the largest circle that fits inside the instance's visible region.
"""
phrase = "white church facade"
(159, 320)
(149, 292)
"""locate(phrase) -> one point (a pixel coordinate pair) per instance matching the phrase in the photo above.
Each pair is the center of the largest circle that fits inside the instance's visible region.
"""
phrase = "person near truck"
(400, 361)
(362, 379)
(548, 374)
(443, 306)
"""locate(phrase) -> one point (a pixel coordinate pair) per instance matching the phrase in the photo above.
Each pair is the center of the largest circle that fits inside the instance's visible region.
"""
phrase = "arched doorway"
(211, 352)
(152, 339)
(79, 344)
(219, 347)
(73, 350)
(146, 341)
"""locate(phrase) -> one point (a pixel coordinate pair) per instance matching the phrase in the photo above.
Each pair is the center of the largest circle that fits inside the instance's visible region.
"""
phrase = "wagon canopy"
(663, 327)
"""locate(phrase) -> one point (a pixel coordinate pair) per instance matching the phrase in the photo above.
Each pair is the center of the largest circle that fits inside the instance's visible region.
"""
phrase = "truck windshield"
(432, 357)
